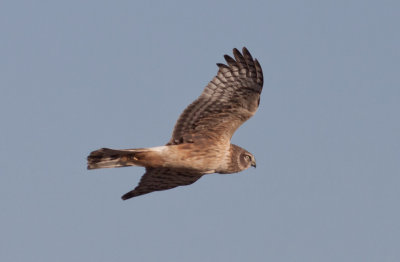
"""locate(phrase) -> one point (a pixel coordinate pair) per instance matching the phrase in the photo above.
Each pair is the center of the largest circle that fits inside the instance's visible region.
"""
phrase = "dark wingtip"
(260, 75)
(124, 197)
(127, 196)
(247, 53)
(229, 59)
(235, 50)
(222, 65)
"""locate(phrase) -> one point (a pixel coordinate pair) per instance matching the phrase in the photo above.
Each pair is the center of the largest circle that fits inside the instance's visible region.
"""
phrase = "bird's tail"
(107, 158)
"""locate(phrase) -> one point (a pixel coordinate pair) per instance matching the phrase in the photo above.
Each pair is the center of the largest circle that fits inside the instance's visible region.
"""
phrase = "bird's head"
(247, 160)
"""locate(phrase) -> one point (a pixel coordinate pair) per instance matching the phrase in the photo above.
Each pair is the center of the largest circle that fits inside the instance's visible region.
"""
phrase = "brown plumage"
(200, 143)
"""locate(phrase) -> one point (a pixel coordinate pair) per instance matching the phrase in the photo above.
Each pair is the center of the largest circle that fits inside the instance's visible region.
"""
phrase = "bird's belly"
(194, 157)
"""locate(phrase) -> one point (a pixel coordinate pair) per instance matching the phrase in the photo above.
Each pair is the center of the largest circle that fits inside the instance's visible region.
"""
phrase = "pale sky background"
(76, 76)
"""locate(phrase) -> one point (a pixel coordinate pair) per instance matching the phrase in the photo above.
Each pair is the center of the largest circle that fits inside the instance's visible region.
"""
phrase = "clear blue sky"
(79, 75)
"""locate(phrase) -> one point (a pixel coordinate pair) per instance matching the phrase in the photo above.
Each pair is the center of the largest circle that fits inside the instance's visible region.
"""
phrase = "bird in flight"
(201, 139)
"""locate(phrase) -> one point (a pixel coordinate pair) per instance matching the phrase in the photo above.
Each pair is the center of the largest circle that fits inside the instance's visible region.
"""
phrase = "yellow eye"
(247, 157)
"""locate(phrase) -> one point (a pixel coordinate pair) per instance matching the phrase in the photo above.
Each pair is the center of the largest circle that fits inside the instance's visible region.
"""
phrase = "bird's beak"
(253, 164)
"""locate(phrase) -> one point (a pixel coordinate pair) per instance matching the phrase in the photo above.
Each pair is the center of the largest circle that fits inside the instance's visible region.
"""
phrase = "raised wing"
(231, 98)
(157, 179)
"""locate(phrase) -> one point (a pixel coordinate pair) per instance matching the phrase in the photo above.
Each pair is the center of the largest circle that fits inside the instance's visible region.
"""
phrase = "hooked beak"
(253, 164)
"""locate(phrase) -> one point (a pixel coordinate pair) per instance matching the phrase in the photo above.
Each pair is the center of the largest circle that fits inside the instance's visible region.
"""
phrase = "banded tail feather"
(109, 158)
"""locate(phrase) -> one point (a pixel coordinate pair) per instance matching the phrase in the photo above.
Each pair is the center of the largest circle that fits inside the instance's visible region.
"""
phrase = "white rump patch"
(159, 148)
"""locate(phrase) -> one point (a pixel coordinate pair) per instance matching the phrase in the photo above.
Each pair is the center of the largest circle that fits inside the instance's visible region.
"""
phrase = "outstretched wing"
(157, 179)
(231, 98)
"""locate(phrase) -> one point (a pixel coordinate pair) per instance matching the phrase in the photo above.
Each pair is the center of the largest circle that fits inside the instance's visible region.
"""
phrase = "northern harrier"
(200, 143)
